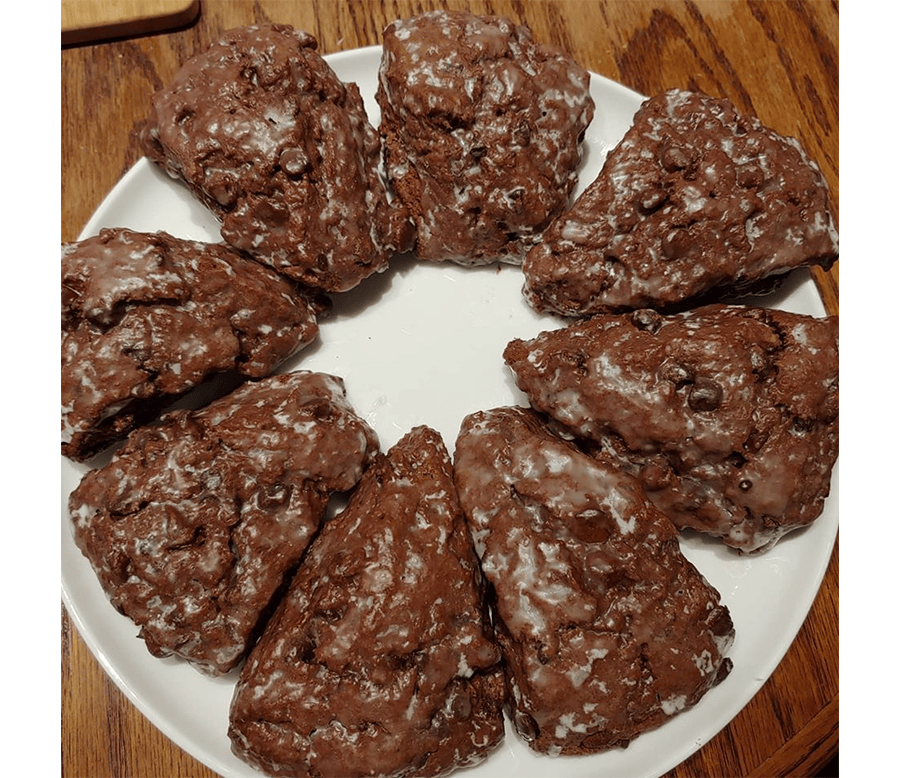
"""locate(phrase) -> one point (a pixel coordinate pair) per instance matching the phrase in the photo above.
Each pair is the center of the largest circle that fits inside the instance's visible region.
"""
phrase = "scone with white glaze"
(147, 317)
(482, 129)
(728, 415)
(194, 525)
(696, 201)
(263, 131)
(380, 659)
(607, 630)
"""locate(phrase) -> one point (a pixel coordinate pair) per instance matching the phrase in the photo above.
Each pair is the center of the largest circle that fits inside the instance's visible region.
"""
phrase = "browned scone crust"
(195, 523)
(696, 200)
(728, 415)
(379, 660)
(263, 131)
(482, 132)
(148, 317)
(606, 629)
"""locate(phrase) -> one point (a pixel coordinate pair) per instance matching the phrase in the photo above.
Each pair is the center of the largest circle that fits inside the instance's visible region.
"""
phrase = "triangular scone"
(379, 660)
(482, 129)
(147, 317)
(696, 199)
(195, 523)
(606, 629)
(280, 149)
(728, 415)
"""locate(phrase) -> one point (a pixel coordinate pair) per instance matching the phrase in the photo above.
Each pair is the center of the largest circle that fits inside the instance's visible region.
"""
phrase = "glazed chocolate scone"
(380, 659)
(195, 523)
(728, 415)
(696, 200)
(267, 136)
(482, 131)
(146, 317)
(607, 630)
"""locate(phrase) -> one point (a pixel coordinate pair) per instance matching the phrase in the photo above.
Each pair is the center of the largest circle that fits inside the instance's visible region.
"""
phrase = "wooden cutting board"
(85, 21)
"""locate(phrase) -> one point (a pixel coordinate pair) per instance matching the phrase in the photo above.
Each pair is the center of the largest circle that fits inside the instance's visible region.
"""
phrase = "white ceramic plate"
(422, 344)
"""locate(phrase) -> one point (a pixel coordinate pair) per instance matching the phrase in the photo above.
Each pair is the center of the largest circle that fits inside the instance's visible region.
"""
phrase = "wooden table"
(777, 59)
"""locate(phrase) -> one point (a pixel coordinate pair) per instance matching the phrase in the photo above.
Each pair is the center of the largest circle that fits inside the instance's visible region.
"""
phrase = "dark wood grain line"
(813, 747)
(827, 51)
(646, 45)
(827, 285)
(558, 21)
(365, 24)
(651, 44)
(764, 13)
(519, 9)
(67, 685)
(260, 16)
(737, 92)
(118, 756)
(816, 104)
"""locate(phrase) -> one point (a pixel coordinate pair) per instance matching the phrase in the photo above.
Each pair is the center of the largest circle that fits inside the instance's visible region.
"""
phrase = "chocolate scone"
(607, 630)
(482, 132)
(696, 200)
(146, 317)
(380, 659)
(728, 415)
(264, 132)
(195, 523)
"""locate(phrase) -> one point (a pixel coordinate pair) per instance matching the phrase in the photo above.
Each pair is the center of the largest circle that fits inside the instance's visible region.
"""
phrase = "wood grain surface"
(775, 58)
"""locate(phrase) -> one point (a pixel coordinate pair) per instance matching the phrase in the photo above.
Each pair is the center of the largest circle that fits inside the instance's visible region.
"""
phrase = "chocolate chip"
(736, 459)
(675, 243)
(647, 320)
(705, 395)
(654, 476)
(544, 654)
(802, 425)
(677, 373)
(756, 441)
(592, 528)
(651, 199)
(185, 114)
(674, 158)
(319, 408)
(577, 361)
(222, 189)
(750, 176)
(274, 494)
(303, 651)
(293, 161)
(514, 195)
(626, 220)
(521, 134)
(526, 726)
